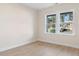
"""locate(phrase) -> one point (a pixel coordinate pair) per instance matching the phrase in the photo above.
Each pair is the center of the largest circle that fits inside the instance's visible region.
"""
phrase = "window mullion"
(58, 23)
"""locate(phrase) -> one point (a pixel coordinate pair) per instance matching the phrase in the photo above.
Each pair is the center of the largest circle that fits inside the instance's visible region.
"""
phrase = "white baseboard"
(71, 45)
(28, 42)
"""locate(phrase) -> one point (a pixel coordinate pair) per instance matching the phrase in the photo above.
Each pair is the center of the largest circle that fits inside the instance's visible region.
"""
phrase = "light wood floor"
(41, 49)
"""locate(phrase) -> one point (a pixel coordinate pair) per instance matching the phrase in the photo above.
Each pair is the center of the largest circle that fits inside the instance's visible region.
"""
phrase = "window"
(51, 23)
(66, 22)
(63, 25)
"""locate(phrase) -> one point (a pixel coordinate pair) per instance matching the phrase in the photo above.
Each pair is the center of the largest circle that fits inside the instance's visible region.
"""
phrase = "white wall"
(68, 40)
(21, 25)
(16, 25)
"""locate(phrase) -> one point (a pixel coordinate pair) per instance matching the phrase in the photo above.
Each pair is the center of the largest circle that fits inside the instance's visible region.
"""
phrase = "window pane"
(66, 28)
(51, 28)
(51, 20)
(65, 17)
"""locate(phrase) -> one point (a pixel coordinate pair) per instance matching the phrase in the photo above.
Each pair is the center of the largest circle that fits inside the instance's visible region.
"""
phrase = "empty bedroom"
(39, 29)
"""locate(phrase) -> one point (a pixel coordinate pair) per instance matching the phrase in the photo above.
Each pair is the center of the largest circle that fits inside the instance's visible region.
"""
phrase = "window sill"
(59, 34)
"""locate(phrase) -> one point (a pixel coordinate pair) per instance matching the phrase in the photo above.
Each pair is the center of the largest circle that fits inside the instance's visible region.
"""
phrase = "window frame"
(46, 23)
(58, 23)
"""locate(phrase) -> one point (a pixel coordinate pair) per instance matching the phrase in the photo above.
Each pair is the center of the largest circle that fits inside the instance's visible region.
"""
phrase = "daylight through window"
(65, 24)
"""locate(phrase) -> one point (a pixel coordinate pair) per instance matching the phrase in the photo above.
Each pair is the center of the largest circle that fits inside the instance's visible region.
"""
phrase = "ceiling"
(39, 6)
